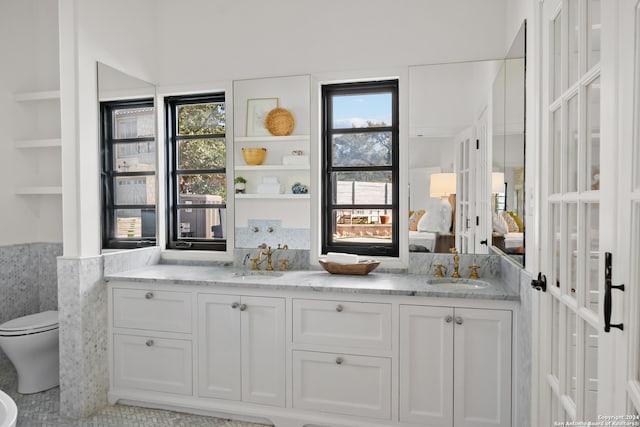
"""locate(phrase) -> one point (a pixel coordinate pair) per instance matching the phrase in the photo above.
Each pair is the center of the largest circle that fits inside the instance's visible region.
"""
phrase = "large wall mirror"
(129, 189)
(467, 144)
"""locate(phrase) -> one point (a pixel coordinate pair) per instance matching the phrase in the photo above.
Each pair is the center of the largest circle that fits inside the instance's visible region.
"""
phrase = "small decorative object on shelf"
(298, 188)
(254, 156)
(279, 122)
(240, 185)
(257, 110)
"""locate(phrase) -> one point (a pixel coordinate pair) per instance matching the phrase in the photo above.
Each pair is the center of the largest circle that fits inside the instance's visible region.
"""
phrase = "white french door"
(578, 168)
(591, 211)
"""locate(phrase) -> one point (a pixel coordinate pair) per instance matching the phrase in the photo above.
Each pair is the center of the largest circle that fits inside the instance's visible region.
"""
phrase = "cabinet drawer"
(342, 384)
(153, 310)
(151, 363)
(342, 324)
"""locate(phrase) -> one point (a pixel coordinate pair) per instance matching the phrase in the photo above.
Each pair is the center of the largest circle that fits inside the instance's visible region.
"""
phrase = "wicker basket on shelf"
(279, 122)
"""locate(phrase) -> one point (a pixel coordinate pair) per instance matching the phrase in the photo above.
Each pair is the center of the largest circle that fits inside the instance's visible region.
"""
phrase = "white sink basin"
(451, 283)
(256, 275)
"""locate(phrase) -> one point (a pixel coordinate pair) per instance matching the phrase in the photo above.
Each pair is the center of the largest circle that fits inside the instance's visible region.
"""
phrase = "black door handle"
(540, 284)
(608, 286)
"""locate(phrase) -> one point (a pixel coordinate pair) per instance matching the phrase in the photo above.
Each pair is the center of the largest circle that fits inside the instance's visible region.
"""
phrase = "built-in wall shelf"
(272, 196)
(292, 138)
(37, 96)
(38, 191)
(39, 143)
(263, 168)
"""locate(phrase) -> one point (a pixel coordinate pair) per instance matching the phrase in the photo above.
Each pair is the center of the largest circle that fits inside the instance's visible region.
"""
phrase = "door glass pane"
(555, 338)
(557, 56)
(555, 244)
(592, 221)
(574, 41)
(571, 342)
(593, 39)
(572, 145)
(592, 179)
(556, 150)
(572, 248)
(590, 373)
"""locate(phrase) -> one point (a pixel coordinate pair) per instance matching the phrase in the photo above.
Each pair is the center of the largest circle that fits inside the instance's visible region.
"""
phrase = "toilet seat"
(31, 324)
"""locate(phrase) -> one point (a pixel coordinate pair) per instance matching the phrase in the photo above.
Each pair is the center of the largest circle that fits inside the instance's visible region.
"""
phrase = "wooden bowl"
(254, 156)
(360, 269)
(279, 122)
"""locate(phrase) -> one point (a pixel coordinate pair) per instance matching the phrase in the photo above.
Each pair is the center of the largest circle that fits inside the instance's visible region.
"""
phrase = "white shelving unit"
(38, 103)
(240, 196)
(265, 168)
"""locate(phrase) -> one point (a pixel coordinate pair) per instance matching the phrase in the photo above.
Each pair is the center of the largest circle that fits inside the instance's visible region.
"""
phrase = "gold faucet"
(438, 270)
(474, 271)
(268, 254)
(456, 263)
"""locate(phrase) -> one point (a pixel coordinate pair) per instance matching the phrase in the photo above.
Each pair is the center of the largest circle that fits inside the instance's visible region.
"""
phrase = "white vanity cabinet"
(241, 353)
(455, 366)
(152, 344)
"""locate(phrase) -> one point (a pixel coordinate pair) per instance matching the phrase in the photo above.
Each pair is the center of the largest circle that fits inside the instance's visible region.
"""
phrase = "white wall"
(29, 51)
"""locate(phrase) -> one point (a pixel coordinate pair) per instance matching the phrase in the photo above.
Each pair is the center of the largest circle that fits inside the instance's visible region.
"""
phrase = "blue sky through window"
(355, 110)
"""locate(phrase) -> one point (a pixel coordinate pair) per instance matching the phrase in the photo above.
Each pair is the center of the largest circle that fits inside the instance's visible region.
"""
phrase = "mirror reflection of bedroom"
(467, 141)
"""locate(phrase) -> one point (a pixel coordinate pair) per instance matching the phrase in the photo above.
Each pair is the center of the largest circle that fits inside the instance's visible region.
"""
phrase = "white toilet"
(31, 343)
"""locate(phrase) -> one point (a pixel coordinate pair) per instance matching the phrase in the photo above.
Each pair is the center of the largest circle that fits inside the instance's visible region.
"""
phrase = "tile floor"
(42, 410)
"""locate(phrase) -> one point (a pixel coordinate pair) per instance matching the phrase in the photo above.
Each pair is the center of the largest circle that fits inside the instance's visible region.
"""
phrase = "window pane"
(202, 223)
(138, 190)
(134, 157)
(591, 373)
(555, 338)
(556, 177)
(363, 188)
(574, 41)
(593, 135)
(593, 40)
(198, 188)
(571, 152)
(572, 247)
(133, 123)
(362, 225)
(556, 242)
(361, 110)
(557, 56)
(201, 119)
(135, 223)
(593, 255)
(202, 154)
(571, 341)
(361, 149)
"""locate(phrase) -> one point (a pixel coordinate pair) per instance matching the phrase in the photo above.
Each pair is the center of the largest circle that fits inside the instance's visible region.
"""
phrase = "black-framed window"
(196, 172)
(360, 163)
(128, 174)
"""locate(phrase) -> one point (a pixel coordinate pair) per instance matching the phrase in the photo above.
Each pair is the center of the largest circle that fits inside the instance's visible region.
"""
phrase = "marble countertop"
(310, 280)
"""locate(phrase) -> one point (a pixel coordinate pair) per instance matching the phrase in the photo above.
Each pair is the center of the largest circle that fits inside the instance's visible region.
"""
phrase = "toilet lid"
(44, 320)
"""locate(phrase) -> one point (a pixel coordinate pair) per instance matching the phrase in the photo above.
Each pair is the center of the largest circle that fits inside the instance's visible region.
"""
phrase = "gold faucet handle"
(474, 271)
(283, 264)
(438, 270)
(255, 261)
(453, 251)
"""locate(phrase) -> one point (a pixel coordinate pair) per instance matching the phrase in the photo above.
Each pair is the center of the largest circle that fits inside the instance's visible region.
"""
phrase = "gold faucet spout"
(456, 263)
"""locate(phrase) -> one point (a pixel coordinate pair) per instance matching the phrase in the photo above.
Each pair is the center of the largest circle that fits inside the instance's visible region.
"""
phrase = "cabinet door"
(342, 384)
(152, 363)
(164, 311)
(482, 368)
(219, 349)
(263, 350)
(426, 365)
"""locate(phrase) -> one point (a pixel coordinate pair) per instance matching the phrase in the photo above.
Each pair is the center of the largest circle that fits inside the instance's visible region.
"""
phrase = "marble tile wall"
(82, 295)
(257, 232)
(28, 281)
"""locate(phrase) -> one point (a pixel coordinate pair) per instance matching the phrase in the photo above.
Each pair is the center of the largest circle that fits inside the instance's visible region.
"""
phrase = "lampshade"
(497, 182)
(442, 184)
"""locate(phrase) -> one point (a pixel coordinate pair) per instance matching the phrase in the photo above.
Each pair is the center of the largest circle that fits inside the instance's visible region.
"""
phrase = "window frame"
(327, 204)
(172, 173)
(108, 175)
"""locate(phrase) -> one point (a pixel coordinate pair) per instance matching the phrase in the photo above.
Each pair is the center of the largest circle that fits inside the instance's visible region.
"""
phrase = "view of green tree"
(208, 153)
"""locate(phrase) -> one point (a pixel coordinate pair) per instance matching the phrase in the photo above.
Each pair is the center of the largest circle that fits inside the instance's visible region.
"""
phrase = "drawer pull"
(243, 307)
(459, 320)
(148, 295)
(149, 343)
(339, 308)
(235, 305)
(339, 360)
(448, 319)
